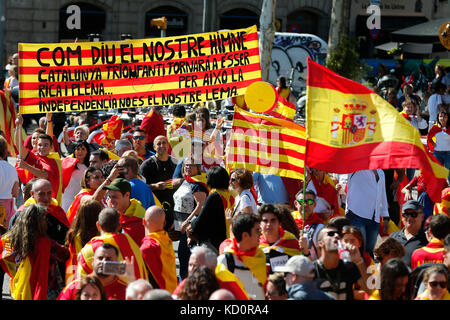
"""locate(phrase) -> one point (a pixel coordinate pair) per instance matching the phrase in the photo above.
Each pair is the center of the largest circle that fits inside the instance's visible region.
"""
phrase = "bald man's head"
(41, 191)
(155, 219)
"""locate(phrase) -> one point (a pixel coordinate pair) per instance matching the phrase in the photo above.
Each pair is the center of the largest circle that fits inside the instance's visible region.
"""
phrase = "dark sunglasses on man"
(138, 137)
(412, 214)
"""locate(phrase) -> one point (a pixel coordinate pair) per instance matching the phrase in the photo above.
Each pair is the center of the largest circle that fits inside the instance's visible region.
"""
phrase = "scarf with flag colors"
(267, 145)
(254, 259)
(159, 256)
(200, 178)
(443, 205)
(433, 252)
(72, 211)
(228, 203)
(287, 244)
(31, 279)
(350, 128)
(126, 247)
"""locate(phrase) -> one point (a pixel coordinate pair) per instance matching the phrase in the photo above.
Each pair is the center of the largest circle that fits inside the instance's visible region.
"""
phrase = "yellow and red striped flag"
(69, 77)
(283, 109)
(350, 128)
(267, 145)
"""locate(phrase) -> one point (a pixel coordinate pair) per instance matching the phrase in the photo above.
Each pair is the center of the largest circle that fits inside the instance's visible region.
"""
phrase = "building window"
(92, 20)
(177, 22)
(238, 18)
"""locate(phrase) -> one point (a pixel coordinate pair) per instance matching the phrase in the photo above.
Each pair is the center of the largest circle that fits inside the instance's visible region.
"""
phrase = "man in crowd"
(153, 126)
(129, 169)
(412, 236)
(299, 275)
(139, 145)
(278, 245)
(333, 275)
(98, 158)
(203, 256)
(244, 258)
(131, 210)
(114, 286)
(433, 252)
(137, 289)
(158, 172)
(157, 250)
(312, 225)
(108, 225)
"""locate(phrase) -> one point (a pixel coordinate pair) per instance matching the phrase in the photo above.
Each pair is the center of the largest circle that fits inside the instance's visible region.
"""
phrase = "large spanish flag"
(267, 145)
(349, 128)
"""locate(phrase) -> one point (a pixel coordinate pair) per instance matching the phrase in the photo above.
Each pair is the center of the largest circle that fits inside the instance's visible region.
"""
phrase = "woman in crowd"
(394, 281)
(82, 230)
(435, 279)
(438, 139)
(199, 285)
(352, 235)
(73, 168)
(188, 201)
(38, 256)
(211, 226)
(241, 180)
(90, 288)
(92, 178)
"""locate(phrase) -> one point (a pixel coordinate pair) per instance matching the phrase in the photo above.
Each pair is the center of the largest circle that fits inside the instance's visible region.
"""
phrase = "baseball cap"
(412, 205)
(298, 264)
(119, 184)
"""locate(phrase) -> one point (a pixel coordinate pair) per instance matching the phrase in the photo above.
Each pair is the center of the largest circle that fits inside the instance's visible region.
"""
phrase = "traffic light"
(160, 23)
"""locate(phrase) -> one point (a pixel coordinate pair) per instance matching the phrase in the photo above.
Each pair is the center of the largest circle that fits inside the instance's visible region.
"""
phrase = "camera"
(113, 267)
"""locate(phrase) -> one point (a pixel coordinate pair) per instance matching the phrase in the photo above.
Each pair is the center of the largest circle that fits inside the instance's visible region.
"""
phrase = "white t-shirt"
(244, 200)
(73, 188)
(8, 176)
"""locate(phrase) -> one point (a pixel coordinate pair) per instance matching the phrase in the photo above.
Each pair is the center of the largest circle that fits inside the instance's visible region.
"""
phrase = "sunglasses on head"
(308, 202)
(412, 214)
(434, 284)
(138, 137)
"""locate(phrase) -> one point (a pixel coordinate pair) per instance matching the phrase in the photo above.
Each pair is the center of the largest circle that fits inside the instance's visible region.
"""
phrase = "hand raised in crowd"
(355, 255)
(113, 174)
(19, 121)
(129, 269)
(219, 123)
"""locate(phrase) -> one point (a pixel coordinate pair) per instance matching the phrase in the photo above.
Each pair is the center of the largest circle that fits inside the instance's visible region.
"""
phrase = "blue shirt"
(142, 192)
(270, 188)
(177, 173)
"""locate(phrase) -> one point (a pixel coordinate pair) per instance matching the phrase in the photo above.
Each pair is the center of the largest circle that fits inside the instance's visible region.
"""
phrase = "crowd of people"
(87, 220)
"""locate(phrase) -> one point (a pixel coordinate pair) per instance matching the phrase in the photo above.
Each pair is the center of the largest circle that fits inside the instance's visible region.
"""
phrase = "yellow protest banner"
(87, 76)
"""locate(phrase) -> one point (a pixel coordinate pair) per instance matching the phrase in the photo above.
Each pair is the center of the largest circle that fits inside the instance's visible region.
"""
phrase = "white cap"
(298, 264)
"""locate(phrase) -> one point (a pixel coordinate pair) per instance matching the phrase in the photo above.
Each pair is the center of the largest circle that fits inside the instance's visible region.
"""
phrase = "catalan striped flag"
(7, 121)
(85, 76)
(350, 128)
(283, 109)
(267, 145)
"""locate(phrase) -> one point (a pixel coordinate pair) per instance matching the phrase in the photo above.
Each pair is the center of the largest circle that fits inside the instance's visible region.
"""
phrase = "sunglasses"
(308, 202)
(332, 233)
(138, 137)
(412, 214)
(233, 179)
(434, 284)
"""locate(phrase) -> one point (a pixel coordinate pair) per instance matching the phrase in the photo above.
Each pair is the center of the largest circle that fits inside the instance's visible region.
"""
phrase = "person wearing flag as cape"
(243, 256)
(157, 251)
(44, 164)
(278, 244)
(37, 276)
(109, 225)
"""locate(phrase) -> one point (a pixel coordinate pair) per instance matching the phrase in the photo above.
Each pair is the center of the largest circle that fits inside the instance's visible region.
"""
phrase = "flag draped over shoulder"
(350, 128)
(7, 121)
(267, 145)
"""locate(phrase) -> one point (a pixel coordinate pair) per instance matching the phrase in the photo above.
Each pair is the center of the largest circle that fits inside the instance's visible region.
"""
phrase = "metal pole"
(205, 11)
